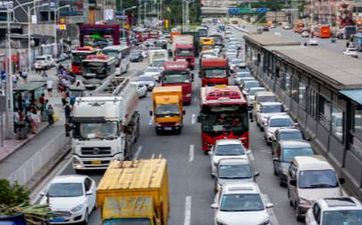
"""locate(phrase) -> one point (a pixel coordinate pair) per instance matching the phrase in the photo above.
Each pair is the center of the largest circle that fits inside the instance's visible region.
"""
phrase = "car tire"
(298, 216)
(281, 183)
(86, 218)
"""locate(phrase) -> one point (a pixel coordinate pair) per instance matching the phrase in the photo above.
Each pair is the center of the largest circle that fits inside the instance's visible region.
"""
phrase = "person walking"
(15, 80)
(44, 74)
(50, 87)
(50, 111)
(67, 111)
(23, 75)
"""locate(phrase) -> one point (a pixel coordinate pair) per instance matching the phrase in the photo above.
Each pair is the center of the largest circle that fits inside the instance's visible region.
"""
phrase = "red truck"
(176, 73)
(183, 48)
(214, 71)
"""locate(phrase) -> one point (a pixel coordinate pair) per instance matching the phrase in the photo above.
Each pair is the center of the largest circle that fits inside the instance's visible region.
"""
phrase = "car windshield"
(250, 84)
(295, 135)
(290, 153)
(176, 78)
(342, 217)
(184, 52)
(252, 91)
(107, 130)
(167, 110)
(352, 49)
(229, 149)
(215, 73)
(158, 63)
(243, 74)
(58, 190)
(135, 54)
(281, 122)
(151, 70)
(234, 171)
(146, 78)
(318, 179)
(241, 202)
(269, 98)
(271, 109)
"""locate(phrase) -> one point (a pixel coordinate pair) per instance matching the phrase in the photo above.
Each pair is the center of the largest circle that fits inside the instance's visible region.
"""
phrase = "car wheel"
(281, 182)
(261, 127)
(298, 216)
(86, 217)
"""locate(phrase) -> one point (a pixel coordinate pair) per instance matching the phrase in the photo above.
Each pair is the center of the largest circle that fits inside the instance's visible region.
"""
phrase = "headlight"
(77, 208)
(266, 222)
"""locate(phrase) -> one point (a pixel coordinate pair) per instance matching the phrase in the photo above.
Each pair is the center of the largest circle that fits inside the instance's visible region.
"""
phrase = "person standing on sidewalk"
(67, 111)
(50, 111)
(50, 87)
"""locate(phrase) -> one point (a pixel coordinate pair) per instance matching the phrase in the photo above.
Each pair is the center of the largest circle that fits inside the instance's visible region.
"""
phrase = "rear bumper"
(169, 128)
(186, 99)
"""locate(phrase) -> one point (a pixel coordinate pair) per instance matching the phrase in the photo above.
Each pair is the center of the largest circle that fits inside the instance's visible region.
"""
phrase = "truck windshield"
(176, 78)
(184, 52)
(108, 130)
(167, 110)
(215, 73)
(132, 221)
(96, 68)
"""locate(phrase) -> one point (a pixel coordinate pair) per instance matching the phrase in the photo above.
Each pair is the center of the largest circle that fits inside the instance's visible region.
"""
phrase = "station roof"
(270, 39)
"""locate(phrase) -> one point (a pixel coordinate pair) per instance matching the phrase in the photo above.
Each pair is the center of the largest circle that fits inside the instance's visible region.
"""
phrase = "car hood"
(223, 181)
(247, 218)
(216, 159)
(64, 204)
(313, 194)
(267, 115)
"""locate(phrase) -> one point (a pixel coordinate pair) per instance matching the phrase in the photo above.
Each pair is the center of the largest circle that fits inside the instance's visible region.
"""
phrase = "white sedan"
(72, 197)
(351, 52)
(226, 148)
(274, 123)
(155, 72)
(141, 89)
(313, 41)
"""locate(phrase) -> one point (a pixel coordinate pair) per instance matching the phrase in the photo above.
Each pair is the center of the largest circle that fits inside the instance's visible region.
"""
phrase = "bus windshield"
(96, 68)
(215, 73)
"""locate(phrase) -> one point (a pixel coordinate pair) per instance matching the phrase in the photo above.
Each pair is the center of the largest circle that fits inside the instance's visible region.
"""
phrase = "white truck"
(156, 57)
(105, 125)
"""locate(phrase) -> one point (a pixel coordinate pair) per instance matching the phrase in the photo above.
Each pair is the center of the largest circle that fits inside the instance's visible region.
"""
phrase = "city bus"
(78, 55)
(223, 115)
(99, 66)
(322, 31)
(122, 55)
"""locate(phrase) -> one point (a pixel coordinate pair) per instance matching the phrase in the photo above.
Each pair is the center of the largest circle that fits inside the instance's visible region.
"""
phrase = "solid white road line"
(138, 152)
(188, 205)
(191, 153)
(193, 119)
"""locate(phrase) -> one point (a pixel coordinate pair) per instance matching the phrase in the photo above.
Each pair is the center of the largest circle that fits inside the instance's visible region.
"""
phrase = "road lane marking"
(138, 152)
(193, 119)
(188, 204)
(191, 153)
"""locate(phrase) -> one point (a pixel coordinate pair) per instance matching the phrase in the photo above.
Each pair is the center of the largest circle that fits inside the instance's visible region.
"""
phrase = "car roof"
(265, 93)
(280, 116)
(241, 187)
(315, 162)
(227, 141)
(270, 103)
(288, 130)
(340, 203)
(294, 144)
(68, 179)
(234, 161)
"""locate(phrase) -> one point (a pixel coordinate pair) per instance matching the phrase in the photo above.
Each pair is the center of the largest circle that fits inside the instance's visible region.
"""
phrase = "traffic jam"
(208, 65)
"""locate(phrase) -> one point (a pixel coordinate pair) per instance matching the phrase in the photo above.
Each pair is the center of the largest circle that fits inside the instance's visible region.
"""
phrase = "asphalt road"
(191, 187)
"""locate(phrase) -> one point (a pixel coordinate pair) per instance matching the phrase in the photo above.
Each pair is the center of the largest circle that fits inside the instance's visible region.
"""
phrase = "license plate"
(96, 162)
(168, 128)
(57, 219)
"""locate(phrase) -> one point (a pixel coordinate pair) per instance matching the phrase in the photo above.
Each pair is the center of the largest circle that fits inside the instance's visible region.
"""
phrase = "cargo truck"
(183, 48)
(105, 125)
(177, 74)
(196, 36)
(134, 192)
(156, 57)
(167, 109)
(214, 71)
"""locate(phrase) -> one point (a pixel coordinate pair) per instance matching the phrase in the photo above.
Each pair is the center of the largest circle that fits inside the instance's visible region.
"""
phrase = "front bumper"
(70, 218)
(89, 163)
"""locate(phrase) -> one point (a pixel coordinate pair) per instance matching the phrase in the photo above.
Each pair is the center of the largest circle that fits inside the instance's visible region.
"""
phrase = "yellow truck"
(206, 43)
(167, 110)
(134, 192)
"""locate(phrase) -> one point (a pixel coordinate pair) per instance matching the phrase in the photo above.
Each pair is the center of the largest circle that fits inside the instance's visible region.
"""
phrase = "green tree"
(13, 194)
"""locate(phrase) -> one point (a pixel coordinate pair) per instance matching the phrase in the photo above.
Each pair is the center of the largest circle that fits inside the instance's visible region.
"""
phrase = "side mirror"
(183, 112)
(248, 152)
(275, 159)
(342, 180)
(256, 174)
(151, 113)
(293, 182)
(269, 205)
(214, 206)
(209, 153)
(89, 193)
(296, 124)
(42, 193)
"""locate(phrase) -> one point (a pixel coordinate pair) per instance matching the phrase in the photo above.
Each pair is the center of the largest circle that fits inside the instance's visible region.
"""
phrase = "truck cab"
(167, 109)
(214, 71)
(178, 74)
(185, 51)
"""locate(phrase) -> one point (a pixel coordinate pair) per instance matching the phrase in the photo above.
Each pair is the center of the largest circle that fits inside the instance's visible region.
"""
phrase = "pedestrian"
(347, 44)
(50, 87)
(34, 120)
(67, 111)
(64, 97)
(15, 80)
(50, 111)
(16, 120)
(23, 75)
(44, 74)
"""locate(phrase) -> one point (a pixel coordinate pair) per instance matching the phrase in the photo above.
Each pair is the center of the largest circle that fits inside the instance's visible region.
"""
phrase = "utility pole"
(139, 13)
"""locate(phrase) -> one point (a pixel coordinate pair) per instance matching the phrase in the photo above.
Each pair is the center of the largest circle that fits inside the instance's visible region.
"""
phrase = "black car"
(136, 56)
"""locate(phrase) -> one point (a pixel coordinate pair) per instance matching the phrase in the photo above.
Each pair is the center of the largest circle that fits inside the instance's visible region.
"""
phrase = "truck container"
(177, 74)
(183, 48)
(167, 109)
(105, 125)
(196, 36)
(134, 192)
(157, 55)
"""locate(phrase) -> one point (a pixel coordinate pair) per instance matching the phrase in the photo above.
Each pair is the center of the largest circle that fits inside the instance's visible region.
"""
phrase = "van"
(309, 179)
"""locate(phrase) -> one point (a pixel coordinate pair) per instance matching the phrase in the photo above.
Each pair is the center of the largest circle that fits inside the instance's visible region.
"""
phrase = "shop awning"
(354, 94)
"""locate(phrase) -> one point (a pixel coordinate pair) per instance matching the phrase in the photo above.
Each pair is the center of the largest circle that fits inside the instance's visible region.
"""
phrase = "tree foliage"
(13, 194)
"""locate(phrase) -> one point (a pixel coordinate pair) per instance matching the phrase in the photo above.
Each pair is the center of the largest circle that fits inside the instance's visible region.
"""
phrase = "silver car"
(274, 123)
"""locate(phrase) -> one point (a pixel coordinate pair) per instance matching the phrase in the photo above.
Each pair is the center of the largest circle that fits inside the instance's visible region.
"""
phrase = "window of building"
(357, 123)
(337, 123)
(312, 103)
(294, 90)
(302, 95)
(324, 112)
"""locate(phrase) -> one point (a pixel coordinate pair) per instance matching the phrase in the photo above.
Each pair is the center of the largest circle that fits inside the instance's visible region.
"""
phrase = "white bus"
(122, 55)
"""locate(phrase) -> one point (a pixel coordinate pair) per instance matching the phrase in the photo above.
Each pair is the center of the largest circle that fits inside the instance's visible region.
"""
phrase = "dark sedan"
(136, 56)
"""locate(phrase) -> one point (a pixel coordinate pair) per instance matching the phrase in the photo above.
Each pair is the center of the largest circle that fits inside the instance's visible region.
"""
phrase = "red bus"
(78, 55)
(223, 115)
(99, 35)
(322, 31)
(177, 73)
(214, 71)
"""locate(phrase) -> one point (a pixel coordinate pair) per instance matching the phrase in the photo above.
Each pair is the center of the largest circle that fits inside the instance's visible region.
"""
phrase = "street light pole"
(55, 26)
(124, 15)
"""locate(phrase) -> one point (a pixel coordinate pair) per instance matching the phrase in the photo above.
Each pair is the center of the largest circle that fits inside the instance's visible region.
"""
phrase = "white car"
(43, 62)
(353, 52)
(274, 123)
(337, 210)
(155, 72)
(73, 197)
(226, 148)
(313, 41)
(305, 34)
(147, 80)
(241, 203)
(266, 110)
(141, 89)
(251, 95)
